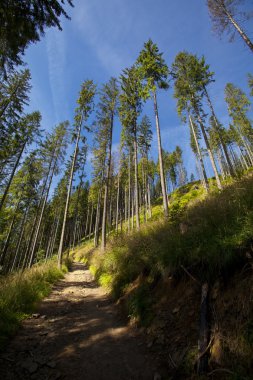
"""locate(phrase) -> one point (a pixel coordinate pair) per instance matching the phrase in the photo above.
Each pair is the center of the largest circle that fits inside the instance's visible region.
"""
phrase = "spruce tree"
(84, 109)
(129, 110)
(238, 107)
(107, 109)
(191, 76)
(23, 23)
(154, 71)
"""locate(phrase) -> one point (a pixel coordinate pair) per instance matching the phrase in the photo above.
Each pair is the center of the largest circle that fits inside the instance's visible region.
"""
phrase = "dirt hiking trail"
(77, 334)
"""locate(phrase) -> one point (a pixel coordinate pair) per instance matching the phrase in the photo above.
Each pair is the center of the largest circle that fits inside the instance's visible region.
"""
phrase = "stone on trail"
(30, 365)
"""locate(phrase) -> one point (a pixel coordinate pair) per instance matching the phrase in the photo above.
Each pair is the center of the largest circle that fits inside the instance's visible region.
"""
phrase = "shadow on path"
(78, 335)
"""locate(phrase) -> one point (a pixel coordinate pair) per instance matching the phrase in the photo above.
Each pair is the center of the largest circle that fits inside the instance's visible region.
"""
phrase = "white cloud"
(56, 54)
(104, 28)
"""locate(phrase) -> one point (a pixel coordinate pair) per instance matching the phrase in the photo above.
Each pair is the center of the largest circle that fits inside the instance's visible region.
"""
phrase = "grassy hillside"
(207, 238)
(209, 232)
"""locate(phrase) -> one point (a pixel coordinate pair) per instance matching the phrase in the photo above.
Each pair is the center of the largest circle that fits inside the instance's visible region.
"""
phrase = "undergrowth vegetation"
(207, 235)
(21, 291)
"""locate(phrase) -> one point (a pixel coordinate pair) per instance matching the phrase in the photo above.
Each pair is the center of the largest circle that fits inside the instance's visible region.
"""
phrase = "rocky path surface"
(77, 334)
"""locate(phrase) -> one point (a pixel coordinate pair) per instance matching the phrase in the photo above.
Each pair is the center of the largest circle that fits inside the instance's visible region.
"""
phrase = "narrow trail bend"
(77, 334)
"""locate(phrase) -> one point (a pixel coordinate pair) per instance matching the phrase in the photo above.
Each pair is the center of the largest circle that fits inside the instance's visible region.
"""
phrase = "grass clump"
(139, 305)
(20, 292)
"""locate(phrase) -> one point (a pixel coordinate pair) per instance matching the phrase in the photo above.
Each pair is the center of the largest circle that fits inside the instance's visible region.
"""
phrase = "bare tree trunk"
(242, 34)
(230, 166)
(22, 230)
(103, 234)
(11, 177)
(51, 251)
(91, 219)
(125, 208)
(220, 163)
(144, 193)
(209, 150)
(76, 212)
(117, 204)
(7, 241)
(136, 192)
(96, 233)
(165, 200)
(149, 199)
(129, 190)
(60, 251)
(132, 196)
(244, 143)
(87, 222)
(110, 215)
(205, 180)
(51, 236)
(199, 170)
(32, 255)
(246, 165)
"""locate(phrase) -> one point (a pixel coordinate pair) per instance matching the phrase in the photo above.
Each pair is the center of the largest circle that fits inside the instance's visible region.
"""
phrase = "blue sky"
(104, 37)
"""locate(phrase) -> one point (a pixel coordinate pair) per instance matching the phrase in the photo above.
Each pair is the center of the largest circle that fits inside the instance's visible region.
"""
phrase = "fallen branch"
(190, 275)
(220, 370)
(202, 362)
(206, 350)
(172, 362)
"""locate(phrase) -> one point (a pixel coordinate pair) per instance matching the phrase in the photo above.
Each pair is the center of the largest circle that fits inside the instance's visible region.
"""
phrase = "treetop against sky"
(103, 38)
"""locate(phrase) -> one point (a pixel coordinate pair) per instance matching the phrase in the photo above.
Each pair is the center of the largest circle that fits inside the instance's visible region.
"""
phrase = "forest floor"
(78, 333)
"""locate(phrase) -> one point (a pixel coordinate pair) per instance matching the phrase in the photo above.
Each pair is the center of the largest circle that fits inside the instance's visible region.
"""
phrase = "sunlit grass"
(21, 291)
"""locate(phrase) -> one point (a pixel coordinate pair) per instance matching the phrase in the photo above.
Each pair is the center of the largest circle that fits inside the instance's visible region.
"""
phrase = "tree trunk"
(230, 166)
(136, 192)
(129, 190)
(22, 230)
(96, 233)
(11, 177)
(51, 251)
(117, 204)
(51, 236)
(91, 219)
(245, 163)
(238, 28)
(7, 241)
(32, 255)
(60, 251)
(220, 163)
(165, 200)
(76, 212)
(247, 148)
(103, 234)
(205, 180)
(87, 222)
(125, 206)
(149, 199)
(209, 150)
(132, 211)
(144, 193)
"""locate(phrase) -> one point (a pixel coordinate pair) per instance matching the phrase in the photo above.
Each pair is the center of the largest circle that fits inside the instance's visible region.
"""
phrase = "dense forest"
(52, 209)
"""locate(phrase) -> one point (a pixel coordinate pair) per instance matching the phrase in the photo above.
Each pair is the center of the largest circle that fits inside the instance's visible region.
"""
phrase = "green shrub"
(139, 305)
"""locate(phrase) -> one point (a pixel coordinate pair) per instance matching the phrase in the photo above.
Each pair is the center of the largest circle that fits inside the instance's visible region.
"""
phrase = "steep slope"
(156, 274)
